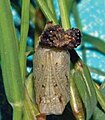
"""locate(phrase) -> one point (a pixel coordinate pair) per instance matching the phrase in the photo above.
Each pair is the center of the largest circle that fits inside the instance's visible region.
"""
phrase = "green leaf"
(96, 42)
(70, 5)
(23, 36)
(18, 112)
(100, 97)
(76, 15)
(64, 14)
(84, 83)
(98, 114)
(89, 83)
(10, 61)
(90, 88)
(51, 6)
(30, 87)
(102, 88)
(9, 55)
(84, 93)
(29, 107)
(31, 110)
(46, 11)
(97, 71)
(32, 11)
(75, 99)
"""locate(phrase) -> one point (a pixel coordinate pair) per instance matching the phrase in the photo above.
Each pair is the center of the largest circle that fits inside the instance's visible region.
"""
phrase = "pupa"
(51, 68)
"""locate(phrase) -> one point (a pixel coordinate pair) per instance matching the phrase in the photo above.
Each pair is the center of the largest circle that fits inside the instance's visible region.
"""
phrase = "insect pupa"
(51, 68)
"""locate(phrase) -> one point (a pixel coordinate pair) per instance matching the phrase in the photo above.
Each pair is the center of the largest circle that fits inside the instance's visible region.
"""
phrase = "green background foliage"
(14, 51)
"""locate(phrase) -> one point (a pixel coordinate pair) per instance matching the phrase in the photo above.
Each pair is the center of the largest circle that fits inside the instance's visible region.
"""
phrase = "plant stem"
(23, 36)
(46, 11)
(70, 5)
(17, 113)
(64, 14)
(76, 15)
(51, 6)
(10, 60)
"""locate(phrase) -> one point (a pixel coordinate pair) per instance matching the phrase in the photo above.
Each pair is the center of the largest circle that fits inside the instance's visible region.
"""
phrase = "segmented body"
(51, 70)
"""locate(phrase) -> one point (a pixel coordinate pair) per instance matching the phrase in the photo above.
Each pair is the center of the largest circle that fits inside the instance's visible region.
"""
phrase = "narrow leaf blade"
(23, 36)
(9, 55)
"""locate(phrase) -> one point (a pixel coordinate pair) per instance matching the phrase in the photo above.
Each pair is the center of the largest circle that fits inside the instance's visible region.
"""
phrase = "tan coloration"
(51, 69)
(79, 65)
(41, 117)
(49, 24)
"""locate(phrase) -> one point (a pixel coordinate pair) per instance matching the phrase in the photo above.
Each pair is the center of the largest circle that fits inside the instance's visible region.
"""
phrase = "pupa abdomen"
(51, 70)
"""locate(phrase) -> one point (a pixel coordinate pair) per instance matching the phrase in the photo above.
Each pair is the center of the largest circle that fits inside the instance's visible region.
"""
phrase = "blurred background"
(90, 16)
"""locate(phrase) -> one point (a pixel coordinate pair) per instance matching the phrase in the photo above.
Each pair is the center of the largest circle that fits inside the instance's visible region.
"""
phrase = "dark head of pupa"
(55, 36)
